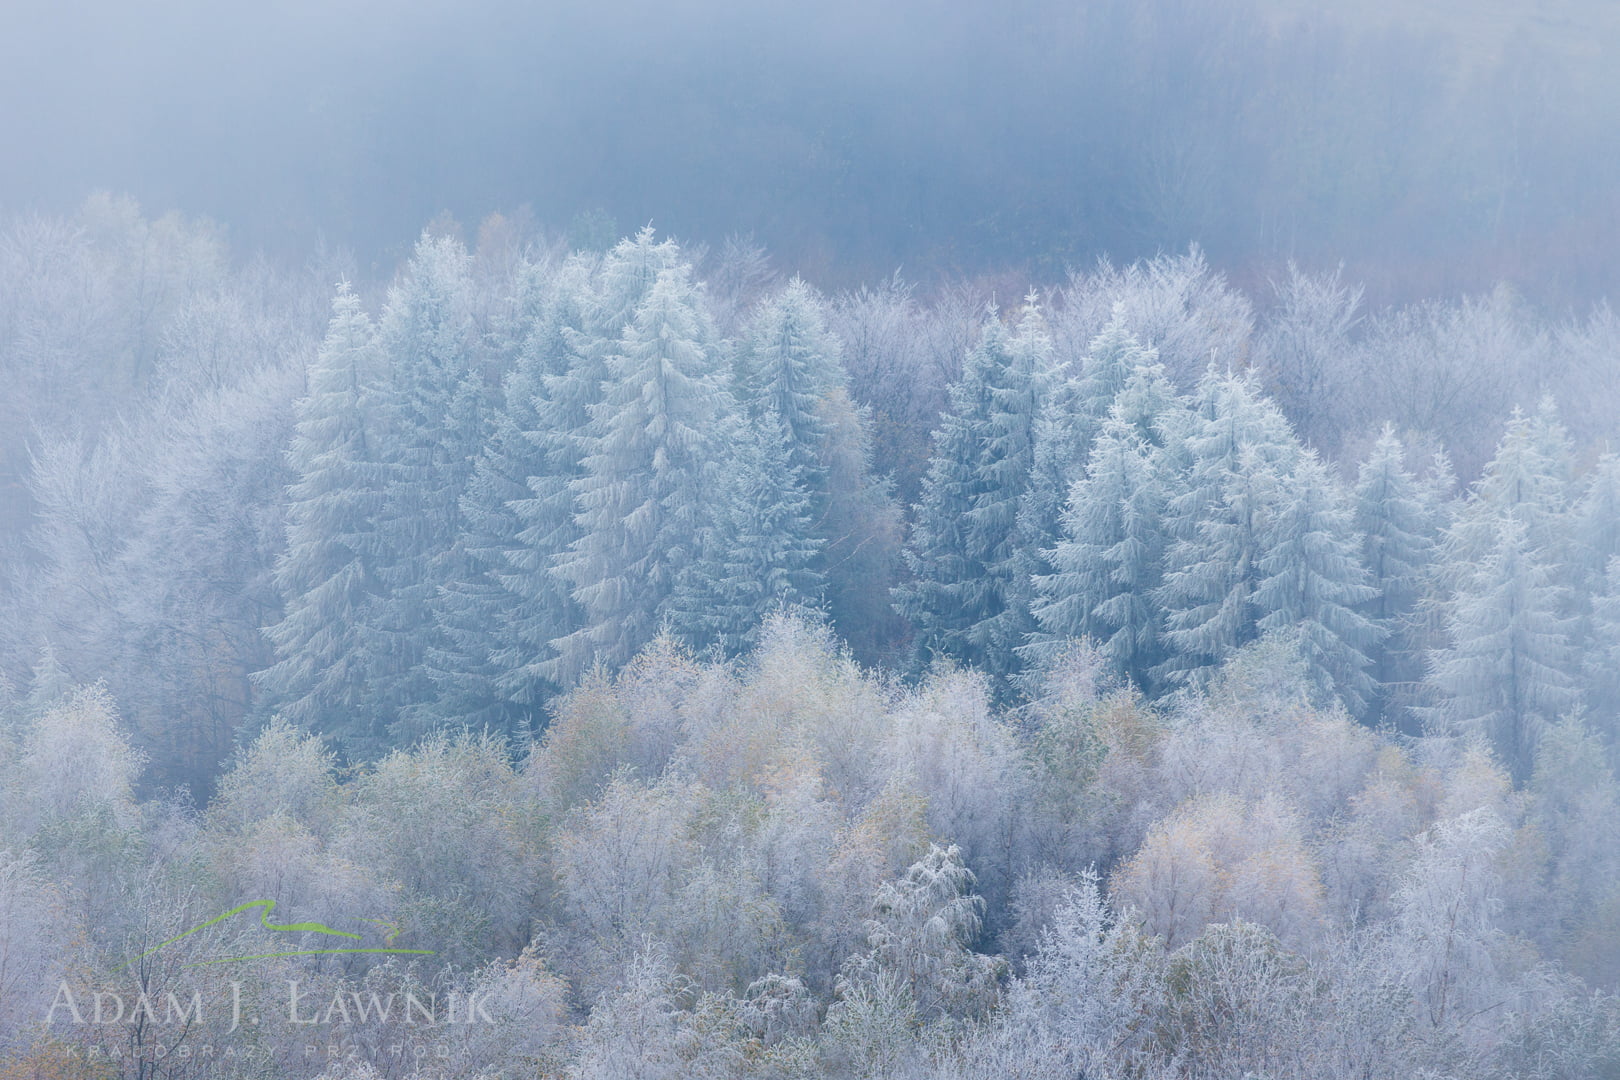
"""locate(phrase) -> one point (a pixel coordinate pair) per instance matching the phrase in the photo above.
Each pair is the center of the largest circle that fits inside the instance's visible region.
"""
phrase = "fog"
(737, 541)
(1430, 156)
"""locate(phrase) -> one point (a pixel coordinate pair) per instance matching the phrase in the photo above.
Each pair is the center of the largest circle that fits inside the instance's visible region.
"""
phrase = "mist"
(809, 543)
(1429, 154)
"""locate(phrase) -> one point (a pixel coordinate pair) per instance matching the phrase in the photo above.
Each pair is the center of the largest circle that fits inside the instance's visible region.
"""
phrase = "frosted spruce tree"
(756, 554)
(1113, 357)
(1529, 478)
(1505, 672)
(648, 467)
(1314, 582)
(1008, 464)
(790, 363)
(1398, 524)
(1526, 480)
(861, 532)
(788, 367)
(328, 652)
(496, 623)
(1602, 656)
(434, 414)
(1238, 451)
(941, 600)
(1075, 410)
(960, 553)
(1595, 524)
(592, 309)
(1110, 560)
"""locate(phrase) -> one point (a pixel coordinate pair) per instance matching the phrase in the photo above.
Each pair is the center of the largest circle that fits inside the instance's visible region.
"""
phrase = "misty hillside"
(718, 677)
(750, 542)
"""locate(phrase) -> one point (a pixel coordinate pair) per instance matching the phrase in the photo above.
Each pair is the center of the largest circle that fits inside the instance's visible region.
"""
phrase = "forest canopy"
(717, 676)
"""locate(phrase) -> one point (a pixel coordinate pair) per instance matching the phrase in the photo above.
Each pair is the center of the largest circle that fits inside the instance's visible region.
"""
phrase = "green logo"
(266, 907)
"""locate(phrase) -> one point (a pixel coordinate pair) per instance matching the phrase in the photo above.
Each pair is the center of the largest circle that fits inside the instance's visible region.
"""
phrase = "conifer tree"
(861, 532)
(1113, 356)
(1008, 463)
(1110, 559)
(1074, 411)
(1527, 478)
(983, 455)
(1595, 524)
(1238, 450)
(756, 553)
(327, 648)
(434, 413)
(1398, 526)
(1602, 656)
(789, 366)
(568, 353)
(647, 465)
(1505, 672)
(496, 623)
(1314, 581)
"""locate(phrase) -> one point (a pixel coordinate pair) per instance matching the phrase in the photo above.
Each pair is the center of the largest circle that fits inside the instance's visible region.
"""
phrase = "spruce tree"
(434, 414)
(1113, 357)
(1505, 671)
(756, 553)
(862, 533)
(497, 621)
(1529, 478)
(1595, 524)
(1007, 462)
(1398, 525)
(983, 455)
(789, 366)
(1602, 656)
(327, 648)
(1238, 450)
(647, 466)
(1314, 581)
(1075, 410)
(1110, 559)
(572, 351)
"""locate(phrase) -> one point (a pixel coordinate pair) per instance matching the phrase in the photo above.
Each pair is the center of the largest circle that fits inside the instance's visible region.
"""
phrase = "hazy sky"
(943, 135)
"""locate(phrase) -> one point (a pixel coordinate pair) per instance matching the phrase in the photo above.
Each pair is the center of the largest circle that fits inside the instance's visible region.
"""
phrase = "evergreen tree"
(1313, 582)
(1527, 478)
(1113, 357)
(496, 623)
(1110, 559)
(647, 463)
(568, 353)
(1148, 402)
(1595, 524)
(861, 532)
(1398, 525)
(434, 414)
(1074, 410)
(983, 454)
(571, 350)
(1007, 463)
(1238, 450)
(1505, 672)
(939, 600)
(328, 650)
(789, 366)
(1602, 656)
(756, 554)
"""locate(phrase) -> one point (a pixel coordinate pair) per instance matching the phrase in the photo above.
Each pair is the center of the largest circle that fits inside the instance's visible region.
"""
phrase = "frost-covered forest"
(710, 675)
